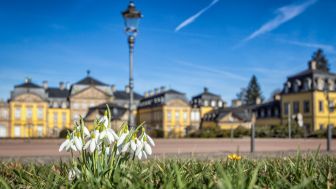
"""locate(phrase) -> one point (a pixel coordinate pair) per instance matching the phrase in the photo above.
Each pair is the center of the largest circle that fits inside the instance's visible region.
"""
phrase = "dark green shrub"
(64, 133)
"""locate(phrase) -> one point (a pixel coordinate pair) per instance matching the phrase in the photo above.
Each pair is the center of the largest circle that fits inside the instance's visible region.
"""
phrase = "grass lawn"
(300, 171)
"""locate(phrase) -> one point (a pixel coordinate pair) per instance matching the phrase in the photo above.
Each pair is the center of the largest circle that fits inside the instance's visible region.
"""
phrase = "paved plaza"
(48, 148)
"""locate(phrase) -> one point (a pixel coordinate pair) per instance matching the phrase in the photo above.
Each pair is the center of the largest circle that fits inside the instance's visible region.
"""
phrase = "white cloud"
(284, 14)
(227, 74)
(325, 47)
(194, 17)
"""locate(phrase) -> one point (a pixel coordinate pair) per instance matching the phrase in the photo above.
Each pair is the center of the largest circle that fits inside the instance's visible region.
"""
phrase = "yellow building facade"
(202, 104)
(310, 94)
(228, 118)
(37, 111)
(167, 111)
(28, 116)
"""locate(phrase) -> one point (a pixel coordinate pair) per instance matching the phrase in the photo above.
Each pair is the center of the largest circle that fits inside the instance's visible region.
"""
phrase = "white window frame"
(3, 131)
(17, 113)
(39, 131)
(17, 131)
(40, 113)
(29, 112)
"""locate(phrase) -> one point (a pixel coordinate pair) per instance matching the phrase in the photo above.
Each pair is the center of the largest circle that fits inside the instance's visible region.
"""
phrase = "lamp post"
(253, 121)
(329, 127)
(131, 17)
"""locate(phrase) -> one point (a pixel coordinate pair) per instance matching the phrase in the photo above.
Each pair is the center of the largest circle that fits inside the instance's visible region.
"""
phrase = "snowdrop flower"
(143, 147)
(133, 145)
(147, 148)
(78, 143)
(68, 144)
(65, 144)
(109, 135)
(104, 120)
(122, 138)
(125, 147)
(86, 131)
(150, 140)
(139, 150)
(92, 144)
(74, 173)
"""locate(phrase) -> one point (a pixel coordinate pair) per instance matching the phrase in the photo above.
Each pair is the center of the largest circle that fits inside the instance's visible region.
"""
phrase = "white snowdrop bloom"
(78, 143)
(121, 139)
(86, 131)
(92, 144)
(114, 134)
(125, 147)
(139, 154)
(147, 148)
(109, 135)
(68, 144)
(104, 120)
(139, 149)
(150, 140)
(133, 145)
(65, 145)
(107, 151)
(74, 173)
(118, 152)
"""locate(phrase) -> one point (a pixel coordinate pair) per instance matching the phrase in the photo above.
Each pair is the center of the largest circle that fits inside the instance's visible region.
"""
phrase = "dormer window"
(213, 103)
(320, 84)
(330, 84)
(297, 85)
(206, 103)
(307, 84)
(288, 86)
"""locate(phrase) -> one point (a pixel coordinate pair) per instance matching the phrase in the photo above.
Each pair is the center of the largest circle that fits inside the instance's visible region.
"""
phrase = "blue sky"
(182, 44)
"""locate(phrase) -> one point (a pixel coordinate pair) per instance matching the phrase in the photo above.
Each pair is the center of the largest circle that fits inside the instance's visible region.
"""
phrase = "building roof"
(56, 92)
(309, 72)
(88, 80)
(27, 84)
(123, 95)
(243, 113)
(116, 111)
(161, 98)
(207, 95)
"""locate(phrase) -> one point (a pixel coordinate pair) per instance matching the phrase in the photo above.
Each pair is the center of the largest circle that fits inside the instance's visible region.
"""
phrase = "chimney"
(312, 65)
(277, 97)
(127, 89)
(146, 94)
(28, 80)
(236, 103)
(113, 88)
(258, 101)
(45, 84)
(206, 89)
(67, 85)
(62, 85)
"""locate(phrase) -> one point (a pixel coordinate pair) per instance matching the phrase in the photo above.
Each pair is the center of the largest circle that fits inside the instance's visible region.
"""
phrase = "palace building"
(41, 111)
(202, 104)
(305, 93)
(229, 117)
(164, 110)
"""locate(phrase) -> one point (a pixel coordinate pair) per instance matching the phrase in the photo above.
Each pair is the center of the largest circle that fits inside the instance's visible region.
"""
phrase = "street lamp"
(131, 17)
(329, 127)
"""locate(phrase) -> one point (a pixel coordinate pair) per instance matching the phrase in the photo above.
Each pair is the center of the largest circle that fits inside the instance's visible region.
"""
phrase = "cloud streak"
(284, 14)
(195, 16)
(325, 47)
